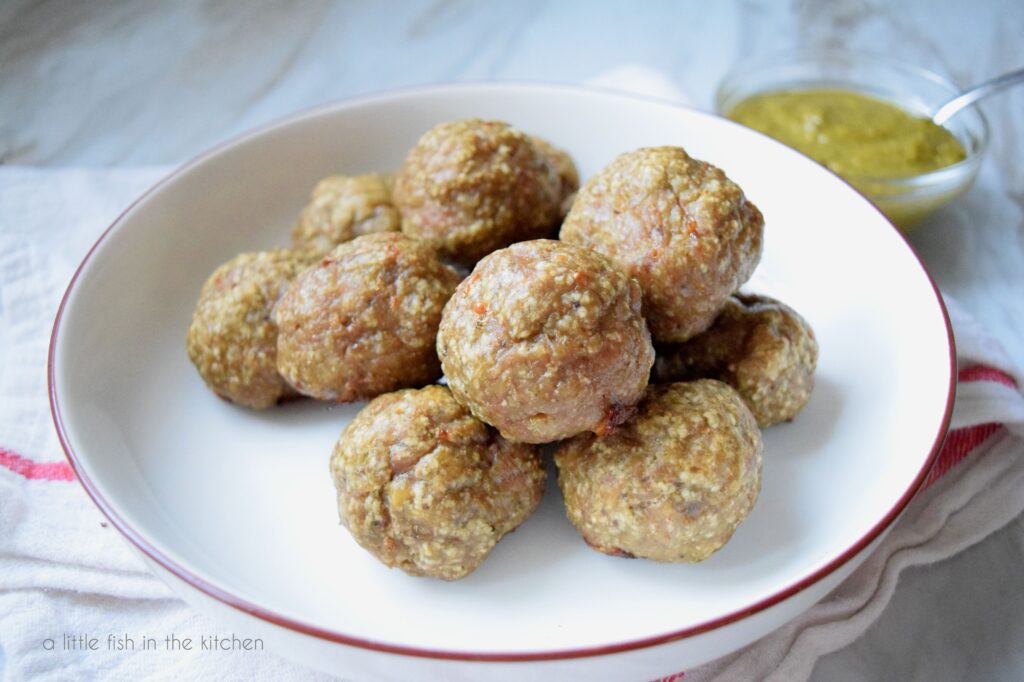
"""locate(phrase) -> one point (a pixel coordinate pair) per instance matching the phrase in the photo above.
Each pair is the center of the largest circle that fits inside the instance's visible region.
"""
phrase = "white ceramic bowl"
(236, 511)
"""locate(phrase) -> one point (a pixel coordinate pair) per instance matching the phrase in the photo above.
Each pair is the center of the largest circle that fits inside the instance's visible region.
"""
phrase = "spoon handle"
(969, 97)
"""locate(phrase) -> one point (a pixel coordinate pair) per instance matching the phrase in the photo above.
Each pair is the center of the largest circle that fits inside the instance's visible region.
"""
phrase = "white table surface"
(108, 83)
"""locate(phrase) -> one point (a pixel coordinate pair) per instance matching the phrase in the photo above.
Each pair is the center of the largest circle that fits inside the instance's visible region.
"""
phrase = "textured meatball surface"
(342, 208)
(759, 346)
(673, 483)
(426, 487)
(470, 187)
(677, 224)
(232, 340)
(545, 340)
(363, 320)
(569, 177)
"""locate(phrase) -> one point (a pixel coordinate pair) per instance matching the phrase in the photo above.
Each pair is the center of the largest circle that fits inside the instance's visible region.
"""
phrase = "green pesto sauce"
(852, 134)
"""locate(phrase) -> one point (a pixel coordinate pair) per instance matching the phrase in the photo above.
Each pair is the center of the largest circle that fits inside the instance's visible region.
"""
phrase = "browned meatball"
(546, 340)
(678, 225)
(342, 208)
(426, 487)
(470, 187)
(363, 321)
(759, 346)
(673, 483)
(568, 176)
(232, 340)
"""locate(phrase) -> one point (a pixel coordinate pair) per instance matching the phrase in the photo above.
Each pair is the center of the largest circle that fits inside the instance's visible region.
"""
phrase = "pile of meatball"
(603, 319)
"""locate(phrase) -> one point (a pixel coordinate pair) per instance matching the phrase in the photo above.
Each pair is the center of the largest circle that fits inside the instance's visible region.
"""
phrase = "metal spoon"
(972, 95)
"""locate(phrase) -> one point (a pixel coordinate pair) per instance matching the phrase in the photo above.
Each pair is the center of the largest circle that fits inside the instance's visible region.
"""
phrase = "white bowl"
(236, 511)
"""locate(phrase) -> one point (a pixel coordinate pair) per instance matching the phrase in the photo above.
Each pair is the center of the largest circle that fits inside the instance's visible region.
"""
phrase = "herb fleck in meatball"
(232, 340)
(343, 208)
(677, 224)
(470, 187)
(363, 321)
(426, 487)
(759, 346)
(673, 483)
(545, 340)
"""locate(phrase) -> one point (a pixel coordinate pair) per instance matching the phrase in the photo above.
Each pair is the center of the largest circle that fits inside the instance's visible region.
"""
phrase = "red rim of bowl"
(245, 606)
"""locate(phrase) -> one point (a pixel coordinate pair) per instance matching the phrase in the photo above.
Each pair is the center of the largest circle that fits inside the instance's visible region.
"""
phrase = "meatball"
(343, 208)
(470, 187)
(232, 340)
(673, 483)
(363, 321)
(757, 345)
(546, 340)
(568, 176)
(678, 225)
(424, 486)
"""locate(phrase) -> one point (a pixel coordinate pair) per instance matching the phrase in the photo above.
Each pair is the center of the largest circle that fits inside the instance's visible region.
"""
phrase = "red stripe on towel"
(985, 373)
(35, 471)
(958, 445)
(671, 678)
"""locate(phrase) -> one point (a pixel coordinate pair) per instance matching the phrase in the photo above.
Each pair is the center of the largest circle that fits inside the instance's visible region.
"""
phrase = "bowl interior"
(243, 500)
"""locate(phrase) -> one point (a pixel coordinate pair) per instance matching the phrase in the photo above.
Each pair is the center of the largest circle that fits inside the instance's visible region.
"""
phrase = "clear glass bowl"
(906, 200)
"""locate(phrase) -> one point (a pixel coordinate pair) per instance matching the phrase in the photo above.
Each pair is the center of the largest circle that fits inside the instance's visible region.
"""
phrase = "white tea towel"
(64, 572)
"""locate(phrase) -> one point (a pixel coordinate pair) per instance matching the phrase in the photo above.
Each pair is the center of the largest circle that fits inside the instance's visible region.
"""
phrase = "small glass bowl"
(907, 200)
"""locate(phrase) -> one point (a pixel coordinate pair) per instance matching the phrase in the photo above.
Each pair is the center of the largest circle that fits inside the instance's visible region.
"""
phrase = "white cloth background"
(64, 571)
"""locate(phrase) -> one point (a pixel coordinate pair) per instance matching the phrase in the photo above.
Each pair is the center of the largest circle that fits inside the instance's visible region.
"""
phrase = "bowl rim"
(966, 167)
(227, 598)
